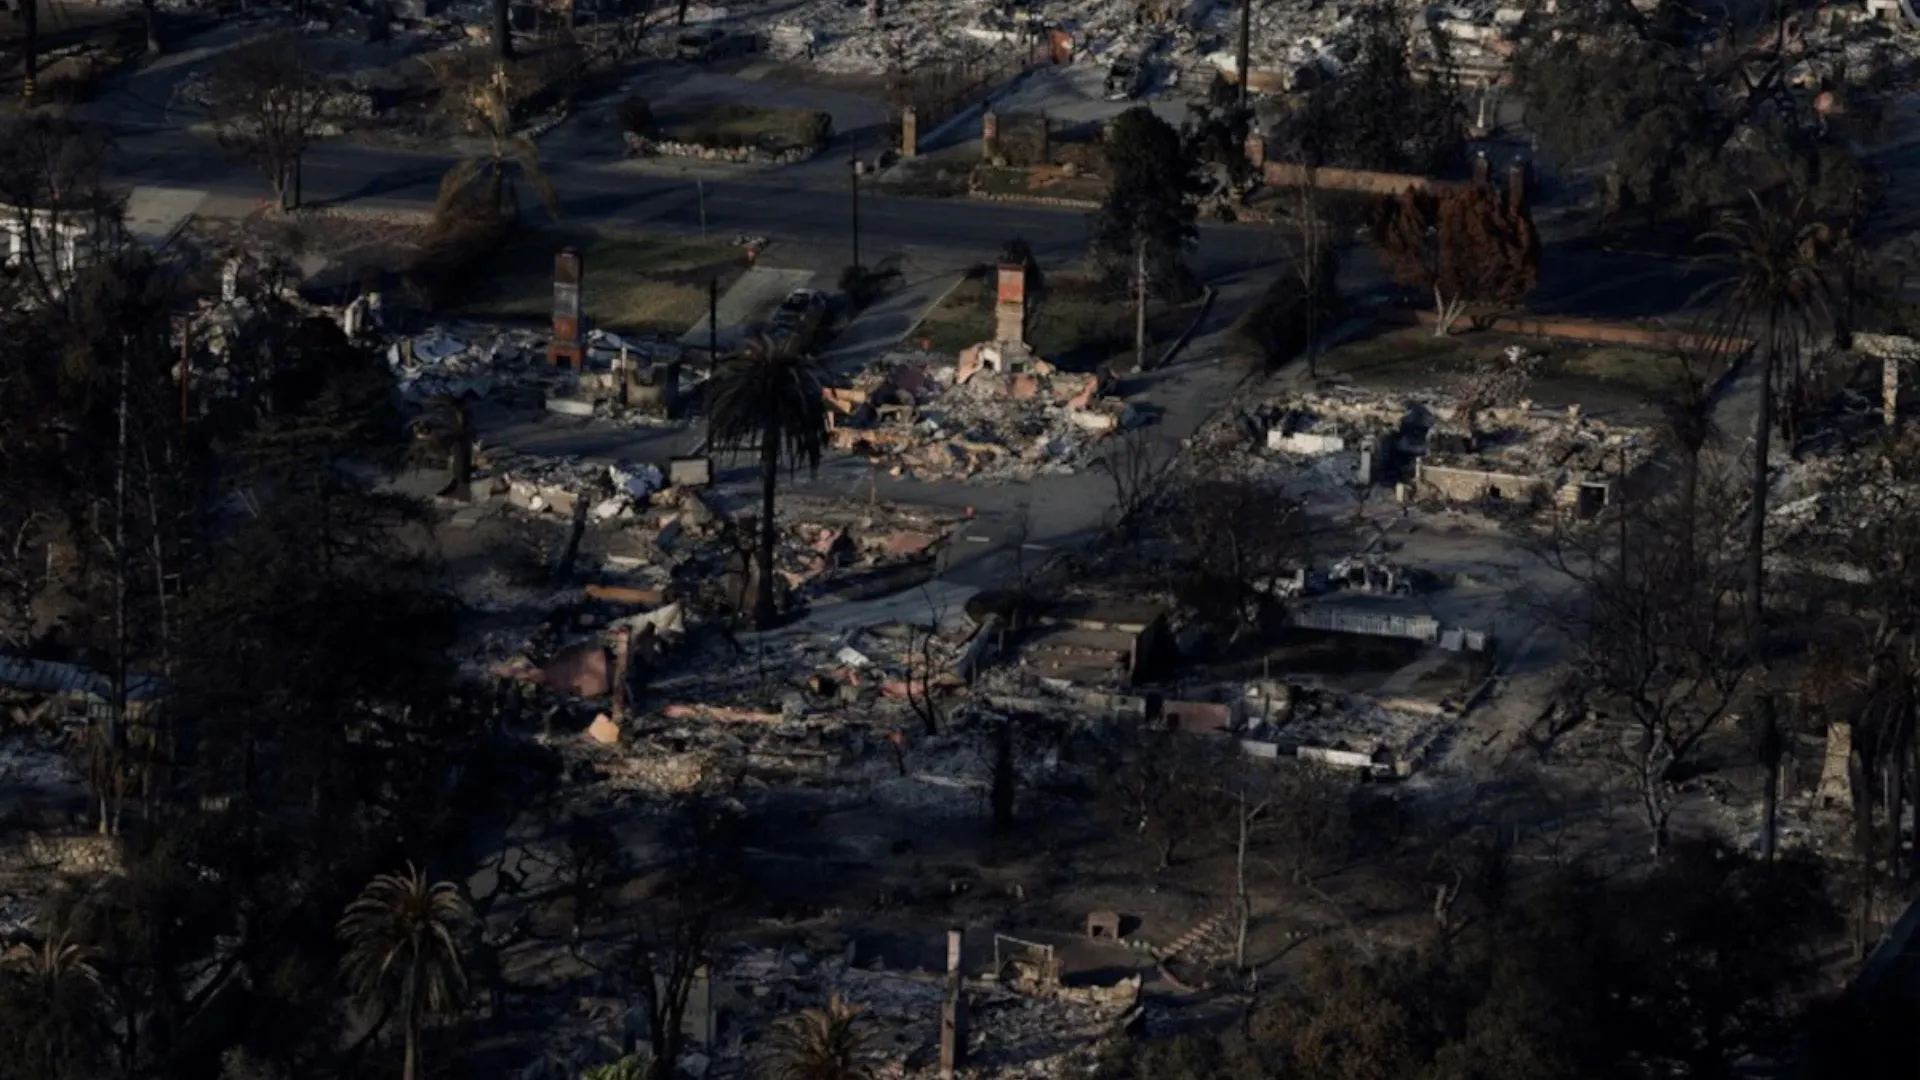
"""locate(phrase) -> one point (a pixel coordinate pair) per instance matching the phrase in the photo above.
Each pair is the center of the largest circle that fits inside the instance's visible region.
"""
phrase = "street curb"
(931, 308)
(1173, 350)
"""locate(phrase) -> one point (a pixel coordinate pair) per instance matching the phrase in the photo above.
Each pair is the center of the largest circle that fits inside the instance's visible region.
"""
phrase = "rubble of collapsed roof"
(1019, 1033)
(962, 421)
(658, 548)
(1437, 449)
(1289, 45)
(510, 365)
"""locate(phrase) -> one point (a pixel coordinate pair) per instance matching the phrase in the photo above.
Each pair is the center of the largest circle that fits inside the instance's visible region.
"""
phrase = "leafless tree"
(1285, 821)
(922, 666)
(1316, 262)
(591, 859)
(677, 926)
(1136, 461)
(1233, 542)
(1163, 785)
(1656, 636)
(53, 182)
(267, 99)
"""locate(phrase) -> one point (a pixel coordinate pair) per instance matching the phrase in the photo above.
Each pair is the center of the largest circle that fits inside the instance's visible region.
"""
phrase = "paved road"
(804, 209)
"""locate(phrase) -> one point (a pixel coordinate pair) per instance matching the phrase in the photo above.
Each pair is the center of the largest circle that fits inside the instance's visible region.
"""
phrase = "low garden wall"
(743, 155)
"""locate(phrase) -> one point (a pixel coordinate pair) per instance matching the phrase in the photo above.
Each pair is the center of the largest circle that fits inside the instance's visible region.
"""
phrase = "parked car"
(799, 316)
(712, 43)
(1125, 80)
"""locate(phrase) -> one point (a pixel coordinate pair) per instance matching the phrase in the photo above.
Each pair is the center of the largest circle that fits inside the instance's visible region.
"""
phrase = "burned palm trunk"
(1003, 777)
(764, 612)
(460, 455)
(563, 570)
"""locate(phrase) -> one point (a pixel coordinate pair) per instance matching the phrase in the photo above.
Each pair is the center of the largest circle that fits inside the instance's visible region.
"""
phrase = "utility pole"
(30, 49)
(700, 187)
(1140, 307)
(116, 722)
(853, 175)
(186, 368)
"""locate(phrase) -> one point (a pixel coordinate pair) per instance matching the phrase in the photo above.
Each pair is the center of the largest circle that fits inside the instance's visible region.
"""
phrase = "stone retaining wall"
(739, 155)
(1036, 200)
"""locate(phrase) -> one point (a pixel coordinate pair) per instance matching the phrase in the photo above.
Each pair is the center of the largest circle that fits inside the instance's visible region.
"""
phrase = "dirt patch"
(738, 125)
(1038, 182)
(633, 282)
(1609, 376)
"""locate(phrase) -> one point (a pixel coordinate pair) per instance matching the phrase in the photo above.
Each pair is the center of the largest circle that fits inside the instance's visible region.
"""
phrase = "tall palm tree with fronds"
(821, 1044)
(1776, 298)
(487, 180)
(406, 950)
(768, 397)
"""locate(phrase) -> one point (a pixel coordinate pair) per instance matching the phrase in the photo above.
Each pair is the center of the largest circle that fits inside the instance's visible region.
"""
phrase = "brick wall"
(1197, 717)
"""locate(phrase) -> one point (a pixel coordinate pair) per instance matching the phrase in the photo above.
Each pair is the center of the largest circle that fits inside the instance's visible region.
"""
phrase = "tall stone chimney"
(568, 345)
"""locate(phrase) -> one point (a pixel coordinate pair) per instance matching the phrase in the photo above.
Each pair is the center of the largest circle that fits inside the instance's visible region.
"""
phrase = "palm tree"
(821, 1044)
(1776, 296)
(53, 993)
(768, 396)
(405, 943)
(635, 1066)
(486, 180)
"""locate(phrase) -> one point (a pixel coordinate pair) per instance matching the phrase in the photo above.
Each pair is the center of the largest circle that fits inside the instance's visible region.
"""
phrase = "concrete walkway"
(153, 213)
(885, 326)
(746, 306)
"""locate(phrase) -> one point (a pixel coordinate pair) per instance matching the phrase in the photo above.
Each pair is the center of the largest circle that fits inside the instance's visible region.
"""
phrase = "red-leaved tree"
(1473, 247)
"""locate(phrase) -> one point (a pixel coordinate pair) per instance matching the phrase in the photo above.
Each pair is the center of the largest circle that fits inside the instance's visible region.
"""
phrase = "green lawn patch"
(1077, 321)
(769, 127)
(633, 283)
(1413, 359)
